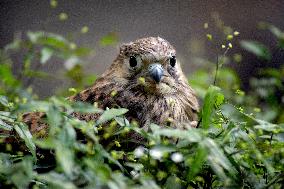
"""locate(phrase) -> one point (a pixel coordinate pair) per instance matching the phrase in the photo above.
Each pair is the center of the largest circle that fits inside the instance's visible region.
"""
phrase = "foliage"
(39, 48)
(257, 49)
(239, 141)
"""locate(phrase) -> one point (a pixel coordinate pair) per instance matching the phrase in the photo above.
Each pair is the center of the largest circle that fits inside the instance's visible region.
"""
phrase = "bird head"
(149, 64)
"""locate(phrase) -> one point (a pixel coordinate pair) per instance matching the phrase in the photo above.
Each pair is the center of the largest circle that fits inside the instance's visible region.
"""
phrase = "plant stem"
(218, 66)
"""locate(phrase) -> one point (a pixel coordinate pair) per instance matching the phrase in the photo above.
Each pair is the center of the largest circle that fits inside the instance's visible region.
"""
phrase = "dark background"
(180, 22)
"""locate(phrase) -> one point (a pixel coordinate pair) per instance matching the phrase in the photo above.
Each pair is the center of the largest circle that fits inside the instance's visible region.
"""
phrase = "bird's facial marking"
(133, 62)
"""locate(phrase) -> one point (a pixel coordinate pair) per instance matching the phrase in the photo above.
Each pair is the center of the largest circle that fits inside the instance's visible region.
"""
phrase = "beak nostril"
(156, 72)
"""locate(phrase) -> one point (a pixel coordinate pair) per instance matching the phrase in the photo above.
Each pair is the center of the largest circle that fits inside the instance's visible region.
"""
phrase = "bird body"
(146, 79)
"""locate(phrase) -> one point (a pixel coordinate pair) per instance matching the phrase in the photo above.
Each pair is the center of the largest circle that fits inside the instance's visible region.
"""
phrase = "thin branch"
(217, 68)
(218, 65)
(215, 78)
(271, 137)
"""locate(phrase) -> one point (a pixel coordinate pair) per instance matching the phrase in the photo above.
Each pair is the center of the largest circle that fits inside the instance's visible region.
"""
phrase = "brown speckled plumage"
(170, 100)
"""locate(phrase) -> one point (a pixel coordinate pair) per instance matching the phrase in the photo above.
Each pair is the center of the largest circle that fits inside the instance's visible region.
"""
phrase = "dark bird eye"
(173, 61)
(132, 61)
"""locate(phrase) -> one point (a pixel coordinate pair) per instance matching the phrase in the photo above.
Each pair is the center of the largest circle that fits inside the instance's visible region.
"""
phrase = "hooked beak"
(156, 72)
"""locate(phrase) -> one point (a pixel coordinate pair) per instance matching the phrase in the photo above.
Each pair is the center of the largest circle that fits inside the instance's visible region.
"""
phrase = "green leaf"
(100, 170)
(55, 41)
(46, 143)
(190, 134)
(15, 45)
(21, 173)
(110, 114)
(7, 116)
(217, 159)
(110, 39)
(48, 39)
(40, 106)
(7, 77)
(200, 157)
(35, 36)
(212, 97)
(219, 99)
(56, 180)
(173, 182)
(279, 35)
(89, 79)
(268, 127)
(4, 101)
(54, 116)
(257, 49)
(200, 80)
(122, 121)
(25, 134)
(83, 51)
(37, 74)
(65, 157)
(45, 54)
(276, 31)
(85, 108)
(104, 153)
(5, 126)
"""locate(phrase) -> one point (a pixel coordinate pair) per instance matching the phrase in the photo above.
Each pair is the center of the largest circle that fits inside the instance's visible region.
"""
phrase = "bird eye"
(173, 61)
(132, 61)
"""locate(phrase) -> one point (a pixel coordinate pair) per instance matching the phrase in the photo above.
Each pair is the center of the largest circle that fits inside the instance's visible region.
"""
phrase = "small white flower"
(236, 33)
(177, 157)
(139, 152)
(230, 45)
(156, 154)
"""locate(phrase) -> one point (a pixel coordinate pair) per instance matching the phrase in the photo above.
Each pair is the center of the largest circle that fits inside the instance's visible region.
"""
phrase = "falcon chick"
(146, 79)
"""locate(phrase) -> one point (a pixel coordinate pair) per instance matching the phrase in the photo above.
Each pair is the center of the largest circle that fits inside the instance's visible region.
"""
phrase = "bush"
(239, 141)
